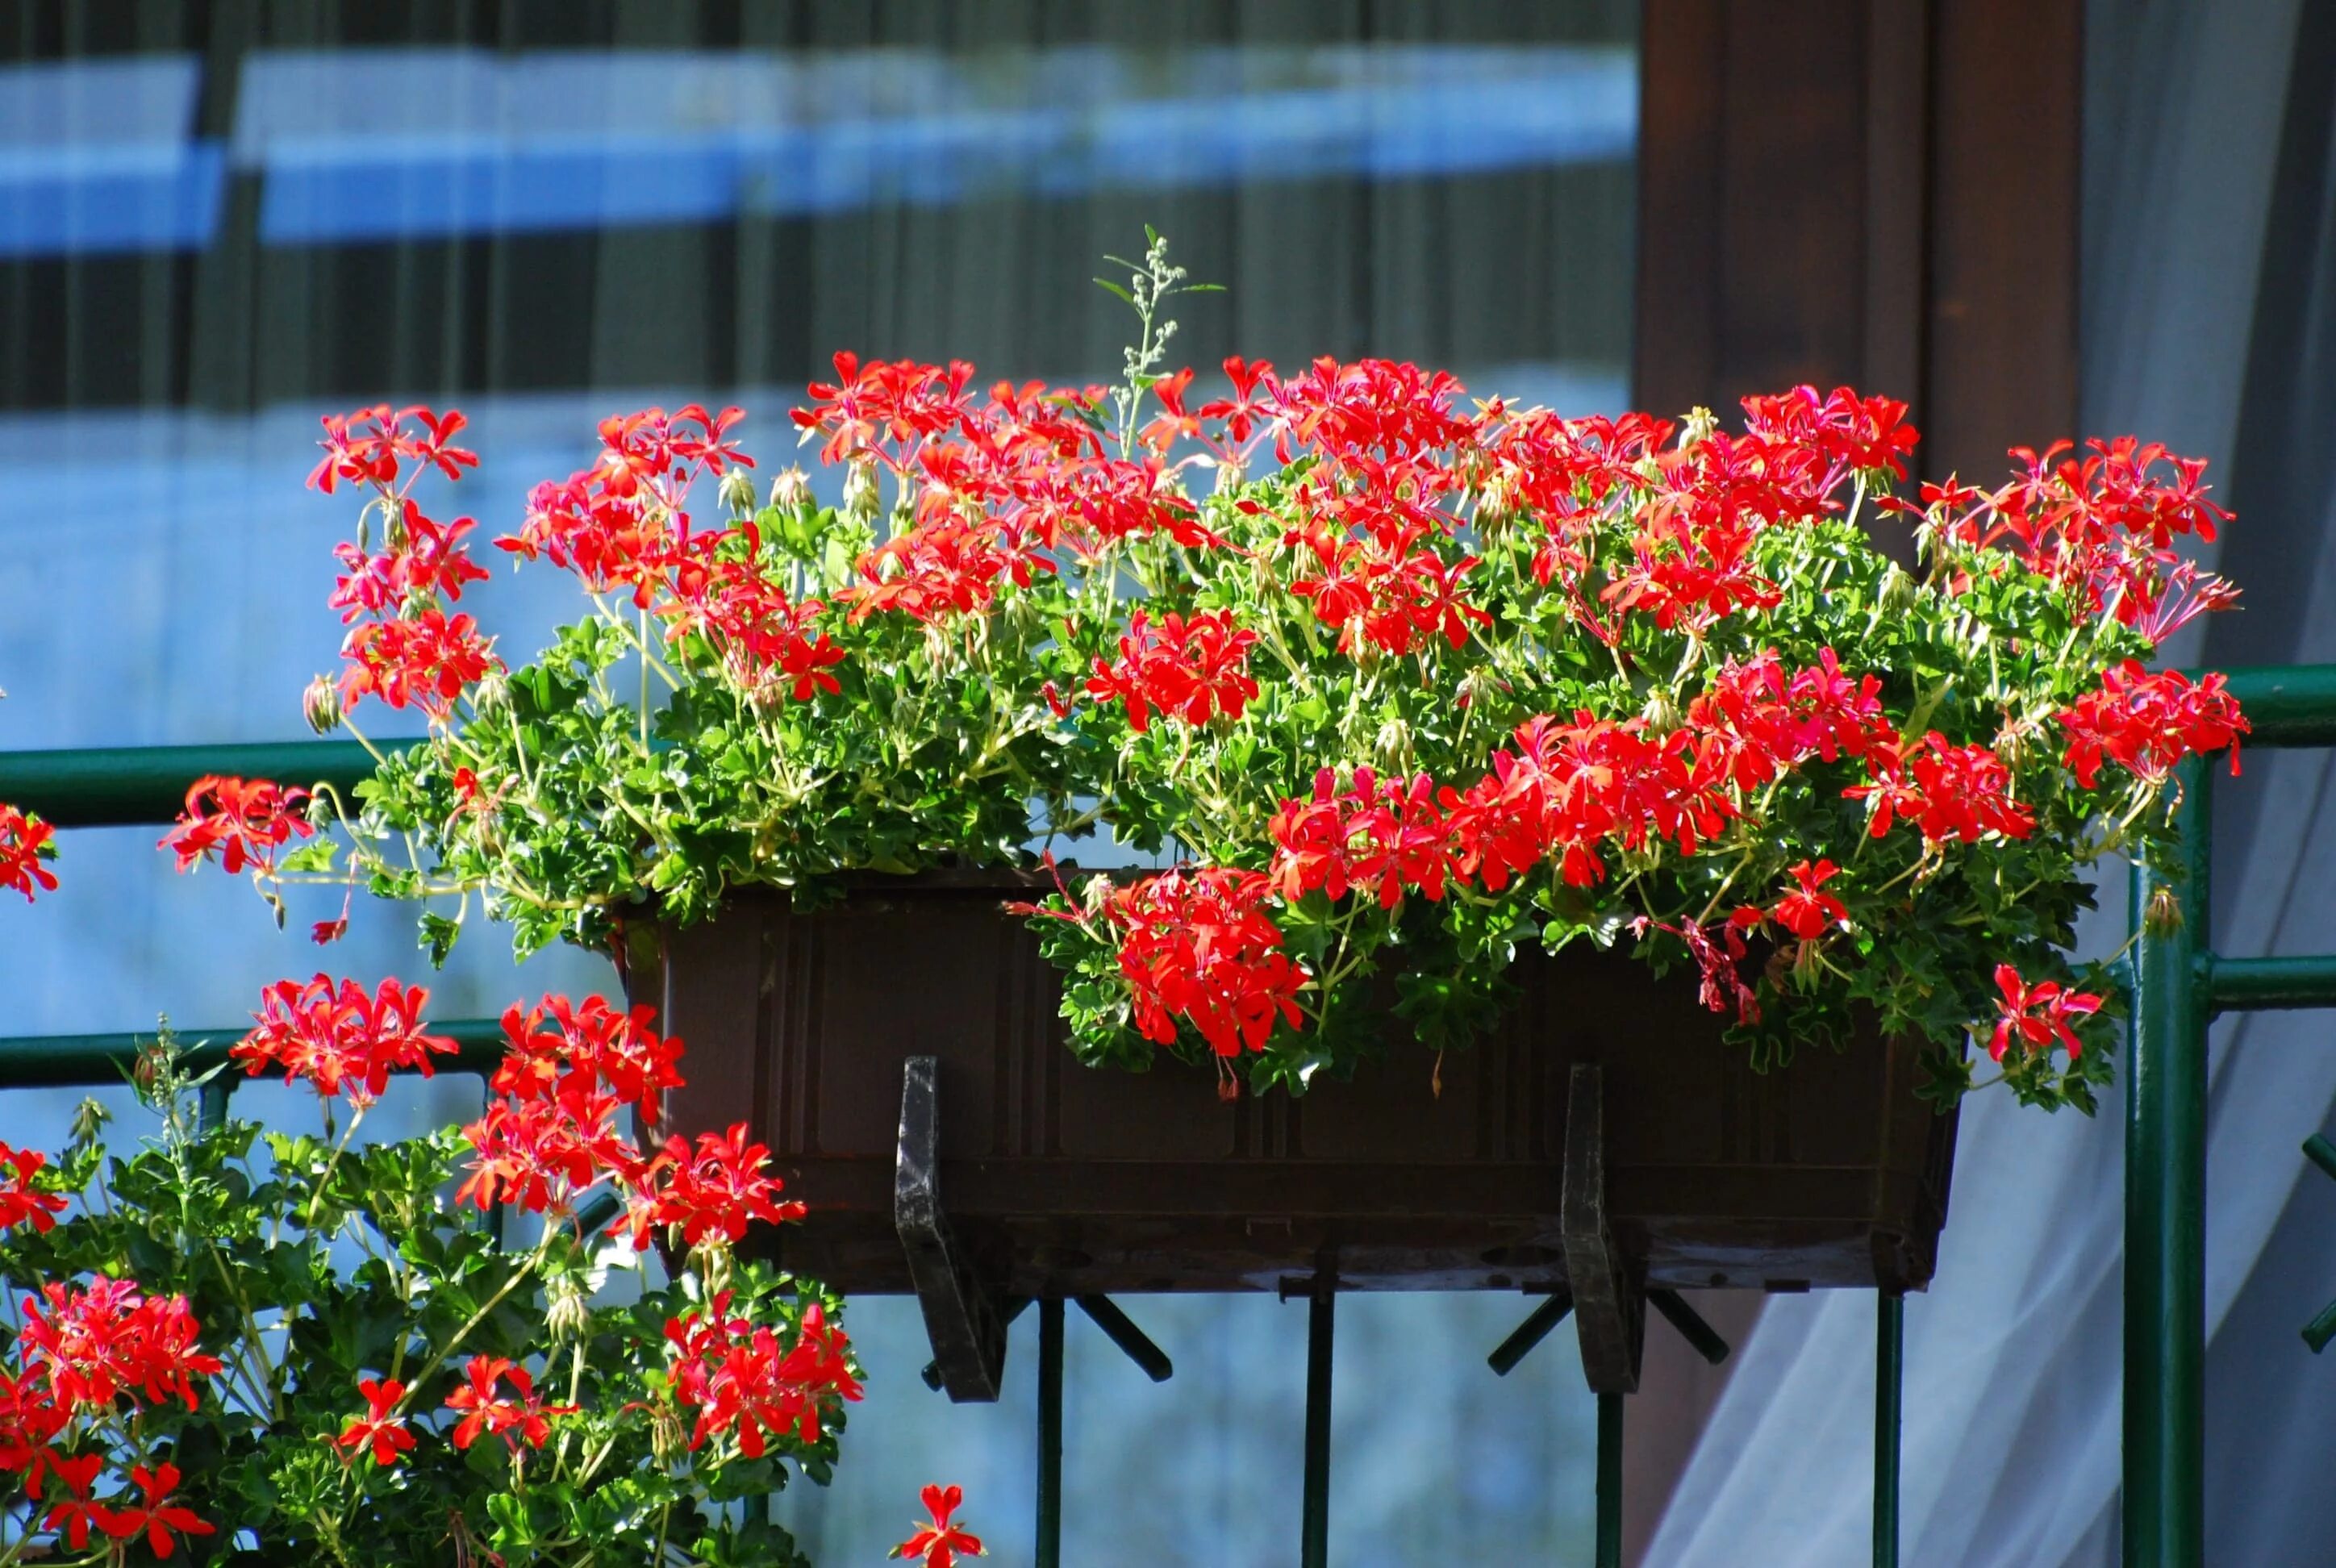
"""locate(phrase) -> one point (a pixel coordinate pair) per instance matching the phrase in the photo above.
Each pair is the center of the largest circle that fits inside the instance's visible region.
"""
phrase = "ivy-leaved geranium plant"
(231, 1345)
(1393, 681)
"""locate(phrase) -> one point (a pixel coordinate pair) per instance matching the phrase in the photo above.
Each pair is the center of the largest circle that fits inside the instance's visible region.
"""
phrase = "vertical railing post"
(1314, 1528)
(1050, 1433)
(2166, 1197)
(1609, 1552)
(1889, 1393)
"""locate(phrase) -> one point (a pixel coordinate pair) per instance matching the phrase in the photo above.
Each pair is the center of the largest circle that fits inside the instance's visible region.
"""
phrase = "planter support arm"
(962, 1318)
(1609, 1298)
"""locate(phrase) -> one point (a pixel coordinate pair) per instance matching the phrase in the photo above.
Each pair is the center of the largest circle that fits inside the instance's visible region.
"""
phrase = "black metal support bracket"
(1609, 1295)
(962, 1318)
(1134, 1342)
(1531, 1332)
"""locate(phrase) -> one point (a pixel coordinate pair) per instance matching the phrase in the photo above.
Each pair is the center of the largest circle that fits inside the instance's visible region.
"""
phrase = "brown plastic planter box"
(1063, 1180)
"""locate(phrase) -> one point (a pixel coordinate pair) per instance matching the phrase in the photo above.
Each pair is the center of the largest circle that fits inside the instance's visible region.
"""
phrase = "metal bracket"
(1609, 1297)
(962, 1319)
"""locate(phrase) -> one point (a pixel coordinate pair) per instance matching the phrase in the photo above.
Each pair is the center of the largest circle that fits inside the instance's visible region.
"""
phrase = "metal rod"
(1012, 1307)
(211, 1112)
(100, 1061)
(1050, 1433)
(2320, 1329)
(1608, 1554)
(2260, 985)
(2165, 1204)
(1134, 1342)
(1889, 1409)
(119, 786)
(2320, 1153)
(2288, 706)
(1702, 1336)
(1531, 1332)
(1314, 1529)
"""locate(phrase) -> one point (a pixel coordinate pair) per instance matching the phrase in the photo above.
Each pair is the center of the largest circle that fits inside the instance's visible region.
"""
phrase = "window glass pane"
(217, 223)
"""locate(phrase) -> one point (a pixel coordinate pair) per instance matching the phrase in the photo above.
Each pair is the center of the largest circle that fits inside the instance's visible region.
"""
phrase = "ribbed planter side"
(1065, 1180)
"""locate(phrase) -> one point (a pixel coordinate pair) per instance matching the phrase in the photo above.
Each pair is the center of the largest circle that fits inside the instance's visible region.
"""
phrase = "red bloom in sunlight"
(1377, 839)
(1808, 909)
(380, 1431)
(2037, 1014)
(428, 560)
(883, 407)
(88, 1346)
(425, 662)
(2146, 723)
(73, 1516)
(540, 1154)
(1958, 792)
(152, 1514)
(1857, 432)
(19, 1200)
(718, 1188)
(739, 1379)
(25, 841)
(939, 1543)
(1191, 669)
(340, 1039)
(371, 446)
(1197, 945)
(764, 638)
(557, 1045)
(245, 820)
(524, 1419)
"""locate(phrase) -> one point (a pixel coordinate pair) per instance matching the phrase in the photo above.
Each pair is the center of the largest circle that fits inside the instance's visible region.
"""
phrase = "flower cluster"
(338, 1039)
(2036, 1016)
(88, 1359)
(1190, 670)
(1199, 947)
(745, 1386)
(25, 843)
(2146, 722)
(244, 821)
(403, 647)
(519, 1417)
(24, 1199)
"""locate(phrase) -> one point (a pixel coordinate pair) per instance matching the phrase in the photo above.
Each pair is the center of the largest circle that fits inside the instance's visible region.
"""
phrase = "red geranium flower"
(151, 1511)
(78, 1512)
(718, 1188)
(25, 841)
(19, 1200)
(2037, 1014)
(1809, 910)
(380, 1430)
(339, 1038)
(524, 1419)
(939, 1543)
(245, 821)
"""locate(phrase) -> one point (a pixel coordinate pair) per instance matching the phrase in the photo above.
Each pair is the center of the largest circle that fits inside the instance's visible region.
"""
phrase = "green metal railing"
(2180, 985)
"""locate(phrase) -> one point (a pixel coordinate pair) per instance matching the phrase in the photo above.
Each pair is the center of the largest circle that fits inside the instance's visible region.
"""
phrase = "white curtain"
(2206, 285)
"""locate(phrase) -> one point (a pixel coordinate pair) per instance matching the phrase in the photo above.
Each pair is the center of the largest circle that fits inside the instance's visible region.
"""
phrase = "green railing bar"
(2290, 707)
(1314, 1519)
(2320, 1153)
(1609, 1551)
(1049, 1552)
(1531, 1332)
(99, 1061)
(1889, 1410)
(2320, 1329)
(2165, 1205)
(119, 786)
(2257, 985)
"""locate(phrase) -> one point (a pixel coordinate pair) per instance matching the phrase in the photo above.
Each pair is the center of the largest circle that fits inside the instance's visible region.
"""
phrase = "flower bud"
(1230, 478)
(860, 500)
(321, 704)
(791, 489)
(567, 1313)
(737, 491)
(89, 1119)
(493, 693)
(1698, 424)
(319, 811)
(2162, 916)
(1662, 713)
(1391, 747)
(1898, 591)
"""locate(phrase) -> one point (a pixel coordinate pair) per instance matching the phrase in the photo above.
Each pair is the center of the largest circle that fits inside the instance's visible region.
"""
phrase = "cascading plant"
(1392, 681)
